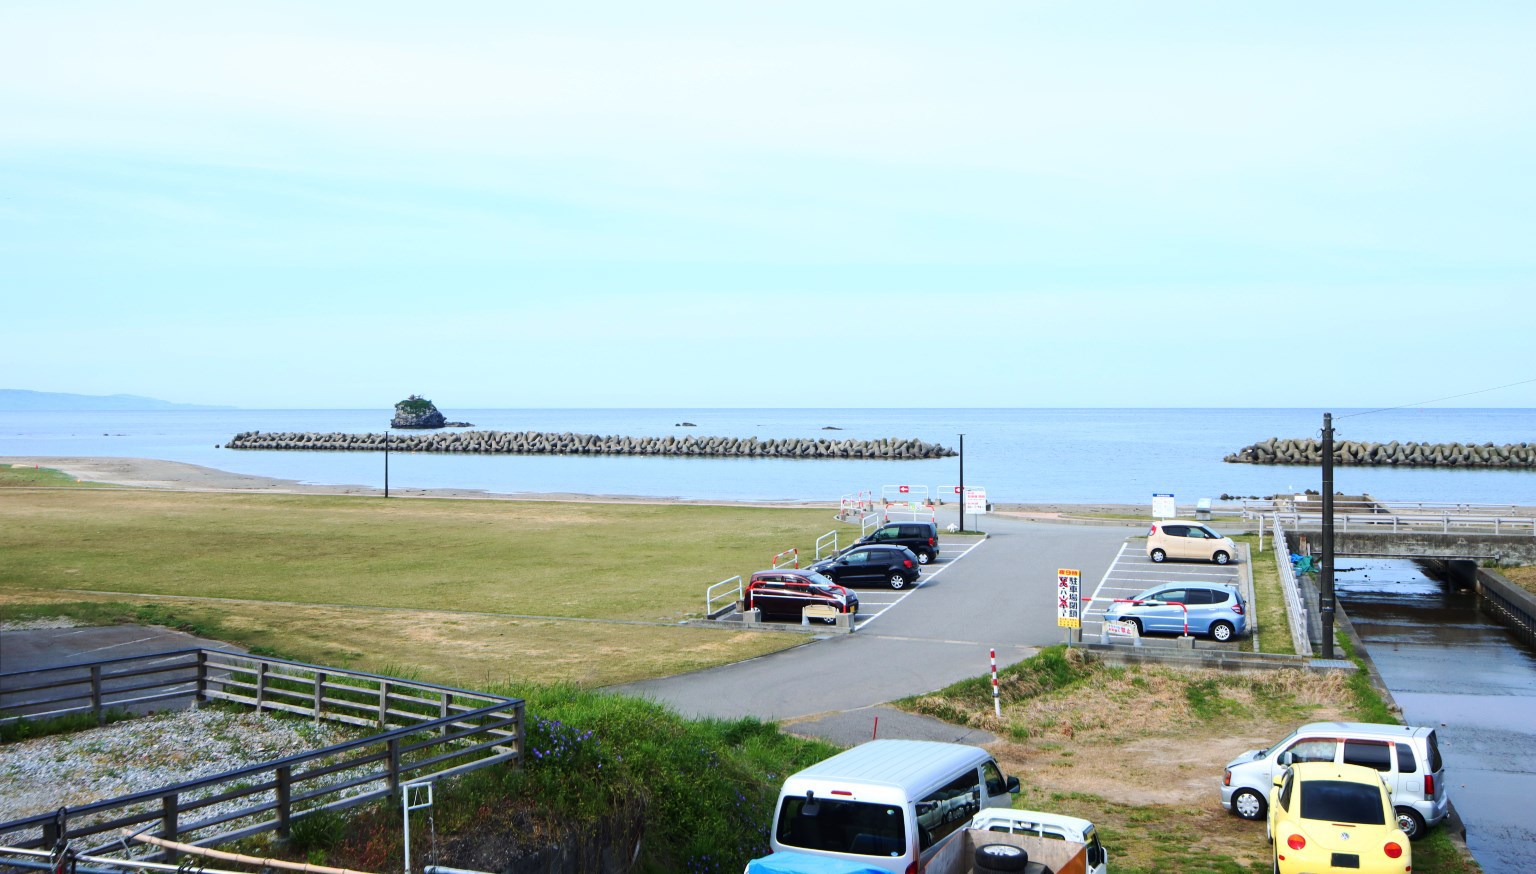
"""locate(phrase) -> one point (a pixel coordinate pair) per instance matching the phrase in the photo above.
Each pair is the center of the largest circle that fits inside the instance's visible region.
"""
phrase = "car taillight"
(1226, 779)
(1153, 531)
(932, 541)
(1429, 785)
(1296, 842)
(1237, 607)
(906, 562)
(1393, 850)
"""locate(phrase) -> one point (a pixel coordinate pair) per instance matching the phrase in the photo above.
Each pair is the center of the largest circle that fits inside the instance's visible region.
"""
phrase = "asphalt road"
(1001, 594)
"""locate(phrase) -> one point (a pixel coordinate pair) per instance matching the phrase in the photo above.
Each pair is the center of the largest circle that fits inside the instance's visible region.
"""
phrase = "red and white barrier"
(997, 701)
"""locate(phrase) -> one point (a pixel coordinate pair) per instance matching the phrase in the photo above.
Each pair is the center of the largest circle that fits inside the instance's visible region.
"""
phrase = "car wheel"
(1248, 804)
(1001, 857)
(1158, 555)
(1222, 631)
(1410, 822)
(1221, 558)
(897, 581)
(1136, 624)
(924, 557)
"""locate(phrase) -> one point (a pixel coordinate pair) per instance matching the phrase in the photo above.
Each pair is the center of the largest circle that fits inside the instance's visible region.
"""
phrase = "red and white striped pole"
(997, 702)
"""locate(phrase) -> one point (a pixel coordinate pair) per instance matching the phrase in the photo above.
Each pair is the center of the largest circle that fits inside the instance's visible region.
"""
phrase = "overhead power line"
(1438, 400)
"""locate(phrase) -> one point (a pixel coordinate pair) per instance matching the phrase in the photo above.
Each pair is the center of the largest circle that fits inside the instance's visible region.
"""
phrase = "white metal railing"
(1392, 523)
(869, 522)
(826, 542)
(1295, 607)
(718, 592)
(912, 512)
(856, 504)
(903, 494)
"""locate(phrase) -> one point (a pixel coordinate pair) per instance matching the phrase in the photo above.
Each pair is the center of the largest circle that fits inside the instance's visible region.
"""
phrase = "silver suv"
(1407, 756)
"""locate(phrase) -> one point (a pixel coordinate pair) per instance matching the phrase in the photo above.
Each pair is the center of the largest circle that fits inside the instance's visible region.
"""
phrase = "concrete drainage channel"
(873, 601)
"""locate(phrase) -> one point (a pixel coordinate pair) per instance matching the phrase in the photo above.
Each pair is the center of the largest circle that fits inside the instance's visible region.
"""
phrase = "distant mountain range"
(20, 400)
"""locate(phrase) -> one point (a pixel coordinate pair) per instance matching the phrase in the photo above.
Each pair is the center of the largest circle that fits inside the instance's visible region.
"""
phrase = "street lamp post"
(386, 464)
(961, 506)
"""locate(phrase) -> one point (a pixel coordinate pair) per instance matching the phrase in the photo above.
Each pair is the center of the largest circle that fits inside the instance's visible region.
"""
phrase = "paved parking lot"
(999, 593)
(876, 600)
(1132, 573)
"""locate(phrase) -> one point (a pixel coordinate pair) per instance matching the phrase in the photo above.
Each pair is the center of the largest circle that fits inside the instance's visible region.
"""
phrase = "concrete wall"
(1519, 549)
(1514, 606)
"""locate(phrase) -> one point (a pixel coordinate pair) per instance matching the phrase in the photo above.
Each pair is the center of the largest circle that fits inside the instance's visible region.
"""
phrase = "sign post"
(1069, 602)
(975, 503)
(1163, 507)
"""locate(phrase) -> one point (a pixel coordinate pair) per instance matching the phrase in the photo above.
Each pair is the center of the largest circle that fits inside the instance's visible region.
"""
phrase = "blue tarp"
(1302, 564)
(805, 863)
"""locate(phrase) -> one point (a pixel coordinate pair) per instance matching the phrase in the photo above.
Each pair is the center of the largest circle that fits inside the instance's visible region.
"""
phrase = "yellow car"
(1328, 817)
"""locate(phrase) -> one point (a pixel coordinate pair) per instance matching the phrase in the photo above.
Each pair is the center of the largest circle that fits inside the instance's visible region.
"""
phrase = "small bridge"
(1363, 526)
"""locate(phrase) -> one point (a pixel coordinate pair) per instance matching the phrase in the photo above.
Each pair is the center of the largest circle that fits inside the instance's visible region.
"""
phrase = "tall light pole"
(961, 506)
(1325, 577)
(386, 464)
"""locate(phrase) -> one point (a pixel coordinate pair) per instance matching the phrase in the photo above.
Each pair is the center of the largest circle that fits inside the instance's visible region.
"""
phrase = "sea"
(1084, 456)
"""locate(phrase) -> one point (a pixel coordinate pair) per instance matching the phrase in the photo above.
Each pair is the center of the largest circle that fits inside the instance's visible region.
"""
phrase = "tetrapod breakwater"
(547, 443)
(1361, 454)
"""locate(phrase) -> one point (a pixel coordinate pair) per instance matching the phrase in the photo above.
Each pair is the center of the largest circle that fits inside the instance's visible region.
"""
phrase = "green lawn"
(445, 588)
(570, 560)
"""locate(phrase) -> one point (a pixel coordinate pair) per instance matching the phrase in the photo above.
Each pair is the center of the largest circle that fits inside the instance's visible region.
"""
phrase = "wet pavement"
(1452, 666)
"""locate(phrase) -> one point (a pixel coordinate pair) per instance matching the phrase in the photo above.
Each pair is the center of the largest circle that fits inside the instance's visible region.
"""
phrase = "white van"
(1408, 758)
(889, 804)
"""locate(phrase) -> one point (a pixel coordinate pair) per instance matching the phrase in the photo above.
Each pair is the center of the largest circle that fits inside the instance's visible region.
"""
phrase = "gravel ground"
(69, 770)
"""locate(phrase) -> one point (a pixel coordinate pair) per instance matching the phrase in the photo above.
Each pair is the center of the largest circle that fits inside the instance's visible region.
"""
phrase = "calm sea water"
(1018, 455)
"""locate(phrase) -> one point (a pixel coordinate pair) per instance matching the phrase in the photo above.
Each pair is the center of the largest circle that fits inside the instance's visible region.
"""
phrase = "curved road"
(1000, 594)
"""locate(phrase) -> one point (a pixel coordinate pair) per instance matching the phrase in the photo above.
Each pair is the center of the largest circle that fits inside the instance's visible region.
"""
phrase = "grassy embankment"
(1139, 750)
(468, 592)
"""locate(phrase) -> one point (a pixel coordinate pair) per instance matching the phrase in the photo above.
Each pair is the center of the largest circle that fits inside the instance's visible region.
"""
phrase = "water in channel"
(1451, 665)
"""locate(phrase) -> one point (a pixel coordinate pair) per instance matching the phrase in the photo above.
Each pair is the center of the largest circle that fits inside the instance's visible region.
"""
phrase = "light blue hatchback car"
(1212, 609)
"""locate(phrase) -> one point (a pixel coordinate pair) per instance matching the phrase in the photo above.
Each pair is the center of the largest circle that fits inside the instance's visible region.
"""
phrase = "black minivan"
(920, 537)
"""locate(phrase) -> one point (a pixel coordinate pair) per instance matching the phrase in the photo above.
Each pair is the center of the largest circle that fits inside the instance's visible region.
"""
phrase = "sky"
(789, 204)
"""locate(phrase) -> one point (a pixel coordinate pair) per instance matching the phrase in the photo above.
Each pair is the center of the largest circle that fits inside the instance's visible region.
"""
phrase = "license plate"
(1346, 860)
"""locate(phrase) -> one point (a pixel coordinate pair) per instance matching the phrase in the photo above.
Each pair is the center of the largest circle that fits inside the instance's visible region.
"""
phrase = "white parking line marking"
(918, 585)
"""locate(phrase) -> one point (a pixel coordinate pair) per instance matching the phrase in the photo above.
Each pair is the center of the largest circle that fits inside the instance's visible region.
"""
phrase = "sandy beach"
(152, 473)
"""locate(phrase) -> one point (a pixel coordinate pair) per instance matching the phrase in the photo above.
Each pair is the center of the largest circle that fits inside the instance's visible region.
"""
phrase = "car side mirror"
(1013, 785)
(1286, 758)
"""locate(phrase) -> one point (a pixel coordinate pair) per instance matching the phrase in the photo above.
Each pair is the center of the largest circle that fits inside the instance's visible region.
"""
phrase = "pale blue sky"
(690, 204)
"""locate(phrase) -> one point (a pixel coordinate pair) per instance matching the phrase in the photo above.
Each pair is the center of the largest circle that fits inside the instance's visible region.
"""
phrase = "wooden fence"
(425, 732)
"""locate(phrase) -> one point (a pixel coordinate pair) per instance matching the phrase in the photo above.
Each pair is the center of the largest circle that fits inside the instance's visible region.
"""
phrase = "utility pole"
(386, 464)
(1325, 577)
(961, 507)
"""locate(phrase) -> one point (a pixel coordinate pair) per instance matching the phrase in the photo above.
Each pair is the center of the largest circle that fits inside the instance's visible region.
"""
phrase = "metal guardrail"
(427, 732)
(826, 542)
(1417, 523)
(715, 593)
(1295, 607)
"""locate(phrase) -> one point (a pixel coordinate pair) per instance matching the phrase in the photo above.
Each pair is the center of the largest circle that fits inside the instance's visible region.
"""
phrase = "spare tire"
(1001, 857)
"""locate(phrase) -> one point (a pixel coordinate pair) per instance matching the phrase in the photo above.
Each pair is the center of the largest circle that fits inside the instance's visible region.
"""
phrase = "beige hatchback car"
(1175, 538)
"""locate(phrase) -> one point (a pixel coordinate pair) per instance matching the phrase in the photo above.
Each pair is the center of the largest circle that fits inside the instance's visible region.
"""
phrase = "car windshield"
(1342, 801)
(1212, 532)
(819, 581)
(842, 826)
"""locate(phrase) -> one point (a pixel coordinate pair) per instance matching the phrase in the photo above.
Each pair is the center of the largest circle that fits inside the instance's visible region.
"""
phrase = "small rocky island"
(418, 413)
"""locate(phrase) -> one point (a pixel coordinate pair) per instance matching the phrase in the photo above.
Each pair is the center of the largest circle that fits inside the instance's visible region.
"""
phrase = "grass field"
(462, 591)
(1139, 750)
